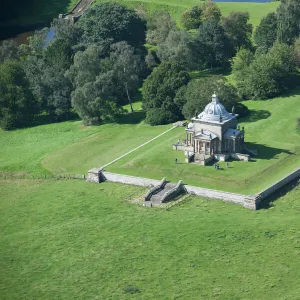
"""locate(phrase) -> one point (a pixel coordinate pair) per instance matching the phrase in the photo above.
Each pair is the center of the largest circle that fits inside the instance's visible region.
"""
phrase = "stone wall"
(155, 189)
(279, 184)
(248, 201)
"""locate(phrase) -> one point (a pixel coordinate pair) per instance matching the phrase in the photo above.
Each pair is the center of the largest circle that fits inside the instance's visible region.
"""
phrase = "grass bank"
(176, 7)
(270, 129)
(71, 239)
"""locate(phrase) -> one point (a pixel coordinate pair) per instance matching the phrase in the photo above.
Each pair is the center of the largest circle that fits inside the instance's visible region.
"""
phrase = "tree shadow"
(256, 115)
(268, 202)
(266, 152)
(132, 118)
(210, 72)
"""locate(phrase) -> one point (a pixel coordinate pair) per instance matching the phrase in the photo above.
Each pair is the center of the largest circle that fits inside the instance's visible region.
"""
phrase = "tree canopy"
(110, 22)
(159, 92)
(192, 18)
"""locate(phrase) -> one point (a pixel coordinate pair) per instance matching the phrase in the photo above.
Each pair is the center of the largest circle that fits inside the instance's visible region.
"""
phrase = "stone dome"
(214, 110)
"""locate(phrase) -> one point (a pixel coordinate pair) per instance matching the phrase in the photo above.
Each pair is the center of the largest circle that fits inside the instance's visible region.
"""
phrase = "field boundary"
(247, 201)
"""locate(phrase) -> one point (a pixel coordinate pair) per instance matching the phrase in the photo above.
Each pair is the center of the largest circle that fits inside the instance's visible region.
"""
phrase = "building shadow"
(269, 201)
(255, 115)
(265, 152)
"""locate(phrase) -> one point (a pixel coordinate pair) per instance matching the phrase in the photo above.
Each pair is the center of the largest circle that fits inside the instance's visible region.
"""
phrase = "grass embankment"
(176, 7)
(270, 129)
(71, 239)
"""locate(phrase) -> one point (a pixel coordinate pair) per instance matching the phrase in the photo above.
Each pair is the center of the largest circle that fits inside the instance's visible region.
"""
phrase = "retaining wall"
(248, 201)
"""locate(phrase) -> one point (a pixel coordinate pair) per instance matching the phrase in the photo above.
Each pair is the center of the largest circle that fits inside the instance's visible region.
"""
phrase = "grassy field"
(270, 129)
(176, 7)
(74, 240)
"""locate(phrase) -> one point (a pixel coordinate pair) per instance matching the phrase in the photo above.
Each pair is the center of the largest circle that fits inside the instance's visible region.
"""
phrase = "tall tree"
(94, 96)
(211, 46)
(241, 62)
(110, 22)
(177, 47)
(159, 93)
(191, 18)
(288, 21)
(210, 11)
(269, 74)
(159, 26)
(127, 68)
(237, 29)
(17, 104)
(45, 69)
(266, 32)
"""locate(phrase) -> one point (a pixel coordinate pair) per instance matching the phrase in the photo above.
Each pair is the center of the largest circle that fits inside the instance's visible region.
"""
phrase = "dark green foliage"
(17, 104)
(94, 96)
(159, 26)
(288, 21)
(241, 109)
(45, 69)
(269, 74)
(199, 91)
(237, 29)
(177, 47)
(296, 47)
(9, 50)
(211, 46)
(110, 22)
(266, 32)
(159, 92)
(191, 18)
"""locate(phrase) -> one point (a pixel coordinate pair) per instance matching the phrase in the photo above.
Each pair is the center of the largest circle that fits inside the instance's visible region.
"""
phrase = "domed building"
(213, 134)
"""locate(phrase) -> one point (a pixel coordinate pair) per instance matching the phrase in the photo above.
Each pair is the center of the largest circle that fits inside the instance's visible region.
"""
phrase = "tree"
(237, 29)
(266, 32)
(177, 47)
(17, 104)
(95, 86)
(211, 46)
(159, 92)
(191, 18)
(110, 22)
(297, 52)
(198, 94)
(159, 26)
(210, 11)
(9, 50)
(45, 69)
(241, 62)
(288, 21)
(128, 69)
(269, 74)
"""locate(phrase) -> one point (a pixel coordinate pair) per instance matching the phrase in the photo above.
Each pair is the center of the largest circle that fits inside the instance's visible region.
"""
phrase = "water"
(23, 37)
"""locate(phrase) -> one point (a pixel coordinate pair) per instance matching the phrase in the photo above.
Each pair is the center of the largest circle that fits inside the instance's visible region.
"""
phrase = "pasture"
(67, 239)
(176, 7)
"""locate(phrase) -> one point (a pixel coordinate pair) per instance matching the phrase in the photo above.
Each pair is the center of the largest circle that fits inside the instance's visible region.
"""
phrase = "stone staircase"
(156, 199)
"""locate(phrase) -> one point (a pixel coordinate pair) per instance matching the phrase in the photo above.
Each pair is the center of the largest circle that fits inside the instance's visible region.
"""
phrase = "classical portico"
(213, 134)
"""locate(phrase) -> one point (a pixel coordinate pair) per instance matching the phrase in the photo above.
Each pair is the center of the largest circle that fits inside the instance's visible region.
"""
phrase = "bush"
(159, 116)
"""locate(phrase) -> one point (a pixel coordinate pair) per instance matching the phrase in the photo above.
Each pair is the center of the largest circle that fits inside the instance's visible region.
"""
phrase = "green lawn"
(270, 129)
(77, 240)
(176, 7)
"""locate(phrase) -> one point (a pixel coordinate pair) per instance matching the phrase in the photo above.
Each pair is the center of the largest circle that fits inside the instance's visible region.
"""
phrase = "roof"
(215, 112)
(205, 134)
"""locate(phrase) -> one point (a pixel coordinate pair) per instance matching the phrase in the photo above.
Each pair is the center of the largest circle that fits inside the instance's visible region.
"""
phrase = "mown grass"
(176, 7)
(77, 240)
(270, 129)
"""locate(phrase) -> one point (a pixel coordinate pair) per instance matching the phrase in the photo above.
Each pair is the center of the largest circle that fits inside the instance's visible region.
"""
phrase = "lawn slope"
(78, 240)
